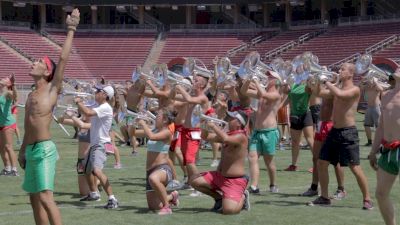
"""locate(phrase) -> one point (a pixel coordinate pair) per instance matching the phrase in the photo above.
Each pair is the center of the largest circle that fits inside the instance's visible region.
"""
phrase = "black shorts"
(299, 122)
(341, 146)
(315, 111)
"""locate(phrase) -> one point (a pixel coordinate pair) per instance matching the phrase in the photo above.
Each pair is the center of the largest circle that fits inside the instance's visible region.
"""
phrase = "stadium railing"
(116, 27)
(358, 20)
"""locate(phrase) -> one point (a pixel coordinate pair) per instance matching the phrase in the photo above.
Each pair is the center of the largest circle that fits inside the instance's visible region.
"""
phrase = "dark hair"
(168, 115)
(51, 76)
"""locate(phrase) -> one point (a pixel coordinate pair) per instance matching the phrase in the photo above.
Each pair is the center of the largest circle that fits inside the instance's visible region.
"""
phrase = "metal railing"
(382, 44)
(351, 58)
(252, 42)
(212, 26)
(48, 36)
(16, 49)
(15, 23)
(343, 21)
(122, 27)
(242, 19)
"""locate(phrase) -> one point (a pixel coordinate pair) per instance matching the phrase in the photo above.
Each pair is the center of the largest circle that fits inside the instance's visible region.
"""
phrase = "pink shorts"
(14, 109)
(12, 126)
(176, 142)
(190, 143)
(232, 188)
(323, 128)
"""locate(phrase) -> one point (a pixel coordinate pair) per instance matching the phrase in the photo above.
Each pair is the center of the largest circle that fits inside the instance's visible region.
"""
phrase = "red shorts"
(232, 188)
(14, 109)
(323, 128)
(283, 117)
(190, 143)
(210, 111)
(176, 142)
(12, 126)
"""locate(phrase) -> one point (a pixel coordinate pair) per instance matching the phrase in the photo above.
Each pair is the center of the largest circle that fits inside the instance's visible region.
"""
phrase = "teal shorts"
(390, 161)
(40, 168)
(264, 141)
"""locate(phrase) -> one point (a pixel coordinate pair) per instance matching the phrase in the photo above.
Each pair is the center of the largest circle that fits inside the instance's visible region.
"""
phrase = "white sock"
(111, 197)
(14, 168)
(253, 187)
(8, 168)
(94, 194)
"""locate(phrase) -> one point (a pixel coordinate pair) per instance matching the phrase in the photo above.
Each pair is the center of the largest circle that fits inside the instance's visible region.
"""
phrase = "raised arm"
(72, 22)
(343, 94)
(245, 90)
(201, 99)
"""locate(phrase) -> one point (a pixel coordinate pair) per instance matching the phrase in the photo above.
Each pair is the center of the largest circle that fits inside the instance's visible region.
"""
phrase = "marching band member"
(265, 134)
(230, 178)
(158, 169)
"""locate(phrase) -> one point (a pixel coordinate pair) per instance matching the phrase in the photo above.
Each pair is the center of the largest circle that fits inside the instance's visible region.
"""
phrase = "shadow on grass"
(73, 203)
(139, 182)
(73, 195)
(286, 203)
(192, 210)
(135, 209)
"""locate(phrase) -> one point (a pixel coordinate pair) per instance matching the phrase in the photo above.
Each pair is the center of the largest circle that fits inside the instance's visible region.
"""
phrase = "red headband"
(49, 65)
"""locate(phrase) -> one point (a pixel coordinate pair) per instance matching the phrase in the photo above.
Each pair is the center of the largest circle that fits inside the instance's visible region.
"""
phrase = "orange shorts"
(190, 143)
(231, 187)
(283, 117)
(12, 126)
(176, 141)
(323, 128)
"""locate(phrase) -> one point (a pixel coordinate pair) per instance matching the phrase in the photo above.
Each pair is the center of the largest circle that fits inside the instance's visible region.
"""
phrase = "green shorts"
(390, 161)
(40, 168)
(264, 141)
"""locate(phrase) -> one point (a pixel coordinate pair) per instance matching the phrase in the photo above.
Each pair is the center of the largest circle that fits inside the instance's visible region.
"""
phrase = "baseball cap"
(107, 89)
(240, 115)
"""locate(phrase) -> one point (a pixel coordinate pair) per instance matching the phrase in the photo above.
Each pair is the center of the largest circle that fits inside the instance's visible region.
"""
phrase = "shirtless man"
(387, 142)
(323, 127)
(373, 93)
(190, 139)
(229, 178)
(38, 154)
(265, 134)
(342, 143)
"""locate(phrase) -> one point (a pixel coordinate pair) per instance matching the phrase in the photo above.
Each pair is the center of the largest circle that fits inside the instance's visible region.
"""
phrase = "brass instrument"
(371, 72)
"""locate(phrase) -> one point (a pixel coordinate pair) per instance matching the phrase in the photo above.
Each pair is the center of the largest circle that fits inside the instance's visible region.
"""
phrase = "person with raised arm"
(38, 154)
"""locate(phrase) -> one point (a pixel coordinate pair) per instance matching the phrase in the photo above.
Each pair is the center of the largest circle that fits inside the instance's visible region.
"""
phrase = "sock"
(14, 168)
(314, 187)
(340, 188)
(94, 194)
(7, 168)
(253, 187)
(111, 197)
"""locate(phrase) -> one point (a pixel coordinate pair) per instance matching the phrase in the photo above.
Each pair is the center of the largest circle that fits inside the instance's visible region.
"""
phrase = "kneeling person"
(229, 178)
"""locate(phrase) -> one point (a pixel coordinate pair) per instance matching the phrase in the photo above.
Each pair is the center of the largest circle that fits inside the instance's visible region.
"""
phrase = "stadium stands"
(12, 63)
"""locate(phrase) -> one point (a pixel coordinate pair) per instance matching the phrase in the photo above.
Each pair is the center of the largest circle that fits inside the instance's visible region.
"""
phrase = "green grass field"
(128, 184)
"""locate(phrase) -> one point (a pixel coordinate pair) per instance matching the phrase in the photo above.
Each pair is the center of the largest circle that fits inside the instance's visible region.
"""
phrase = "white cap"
(107, 89)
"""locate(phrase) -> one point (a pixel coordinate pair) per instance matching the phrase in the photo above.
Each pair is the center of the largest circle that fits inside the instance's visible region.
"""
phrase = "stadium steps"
(392, 51)
(341, 42)
(155, 53)
(12, 62)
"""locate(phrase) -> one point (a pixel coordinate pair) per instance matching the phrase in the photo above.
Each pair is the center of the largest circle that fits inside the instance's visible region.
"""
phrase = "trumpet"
(198, 115)
(146, 116)
(138, 73)
(370, 71)
(190, 67)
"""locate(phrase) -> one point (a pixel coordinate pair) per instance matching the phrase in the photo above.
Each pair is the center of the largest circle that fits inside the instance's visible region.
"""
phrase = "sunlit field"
(128, 183)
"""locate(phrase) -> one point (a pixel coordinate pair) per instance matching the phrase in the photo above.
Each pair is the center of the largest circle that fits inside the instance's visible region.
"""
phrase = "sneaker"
(175, 198)
(174, 185)
(111, 204)
(246, 203)
(253, 190)
(273, 189)
(134, 153)
(14, 173)
(367, 205)
(195, 193)
(217, 206)
(166, 210)
(117, 166)
(5, 173)
(291, 168)
(215, 163)
(186, 186)
(320, 201)
(90, 198)
(309, 193)
(339, 194)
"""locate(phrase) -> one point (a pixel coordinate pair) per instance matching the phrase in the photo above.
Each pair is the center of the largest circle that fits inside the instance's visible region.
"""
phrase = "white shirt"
(101, 124)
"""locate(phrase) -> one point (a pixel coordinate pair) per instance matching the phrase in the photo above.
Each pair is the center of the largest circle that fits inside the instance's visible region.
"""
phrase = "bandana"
(390, 145)
(49, 66)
